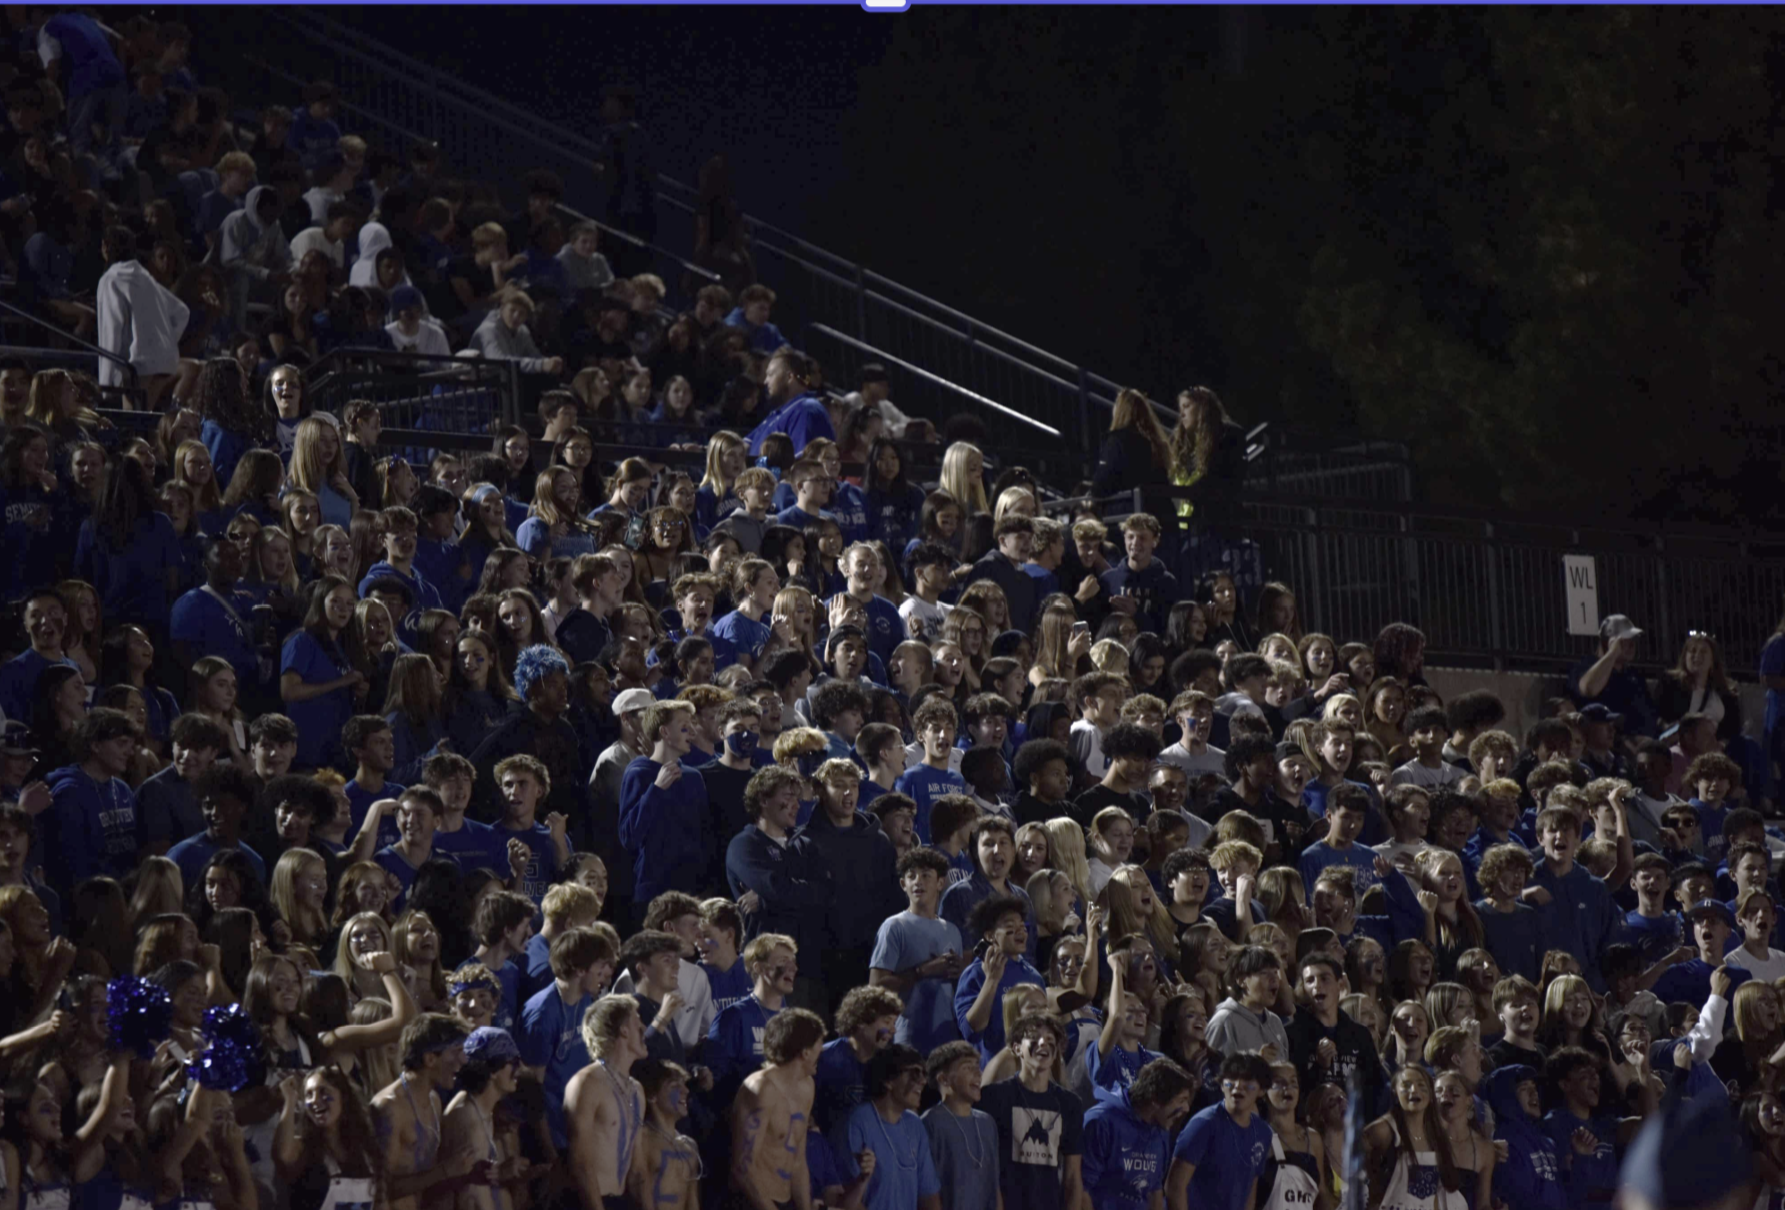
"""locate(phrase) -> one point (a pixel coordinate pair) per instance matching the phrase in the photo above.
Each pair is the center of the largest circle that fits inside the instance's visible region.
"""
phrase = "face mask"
(741, 743)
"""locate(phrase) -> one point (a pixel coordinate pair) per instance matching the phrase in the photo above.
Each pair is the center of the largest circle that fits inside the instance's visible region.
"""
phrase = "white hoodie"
(140, 320)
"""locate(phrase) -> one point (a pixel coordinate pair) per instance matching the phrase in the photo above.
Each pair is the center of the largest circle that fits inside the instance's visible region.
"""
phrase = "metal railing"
(80, 352)
(1489, 590)
(406, 99)
(418, 391)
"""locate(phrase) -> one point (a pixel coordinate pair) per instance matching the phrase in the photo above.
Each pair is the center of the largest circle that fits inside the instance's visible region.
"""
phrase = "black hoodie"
(863, 865)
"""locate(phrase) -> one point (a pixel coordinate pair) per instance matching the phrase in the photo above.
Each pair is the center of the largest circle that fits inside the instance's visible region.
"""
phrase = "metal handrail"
(672, 192)
(940, 381)
(64, 333)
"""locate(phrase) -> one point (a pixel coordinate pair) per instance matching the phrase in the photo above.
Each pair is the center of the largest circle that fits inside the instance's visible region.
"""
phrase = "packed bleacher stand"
(572, 814)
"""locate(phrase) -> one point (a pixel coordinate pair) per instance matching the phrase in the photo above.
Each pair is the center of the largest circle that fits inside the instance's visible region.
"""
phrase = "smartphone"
(1079, 628)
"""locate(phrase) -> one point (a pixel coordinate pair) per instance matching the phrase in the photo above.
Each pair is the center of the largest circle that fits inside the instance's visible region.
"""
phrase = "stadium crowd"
(514, 828)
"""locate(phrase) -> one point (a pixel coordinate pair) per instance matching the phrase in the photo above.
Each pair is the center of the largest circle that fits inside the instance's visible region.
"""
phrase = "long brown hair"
(1200, 417)
(1382, 1165)
(1134, 410)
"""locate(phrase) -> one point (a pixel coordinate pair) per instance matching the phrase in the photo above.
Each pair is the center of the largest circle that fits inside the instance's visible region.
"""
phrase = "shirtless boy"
(668, 1169)
(604, 1106)
(770, 1116)
(407, 1114)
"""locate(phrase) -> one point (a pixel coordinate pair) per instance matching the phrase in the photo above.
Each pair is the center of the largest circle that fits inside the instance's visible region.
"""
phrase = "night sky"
(1545, 247)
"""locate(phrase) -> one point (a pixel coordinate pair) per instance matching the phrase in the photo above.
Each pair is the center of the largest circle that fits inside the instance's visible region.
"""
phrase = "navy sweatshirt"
(795, 888)
(664, 830)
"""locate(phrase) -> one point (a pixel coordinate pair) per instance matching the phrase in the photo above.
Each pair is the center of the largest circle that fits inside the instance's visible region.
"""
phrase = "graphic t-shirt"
(1037, 1131)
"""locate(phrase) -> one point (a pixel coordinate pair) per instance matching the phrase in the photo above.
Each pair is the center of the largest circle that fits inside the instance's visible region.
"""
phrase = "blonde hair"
(545, 504)
(1107, 655)
(208, 498)
(720, 444)
(307, 470)
(968, 490)
(1069, 854)
(785, 601)
(344, 947)
(306, 924)
(1157, 924)
(1010, 498)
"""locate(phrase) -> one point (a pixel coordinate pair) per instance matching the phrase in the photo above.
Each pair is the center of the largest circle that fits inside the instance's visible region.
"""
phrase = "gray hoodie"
(498, 342)
(1234, 1028)
(250, 251)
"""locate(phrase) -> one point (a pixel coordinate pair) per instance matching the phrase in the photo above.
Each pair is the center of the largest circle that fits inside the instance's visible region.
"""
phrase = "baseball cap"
(1599, 712)
(1692, 1153)
(628, 700)
(1618, 626)
(488, 1044)
(15, 738)
(1712, 907)
(404, 297)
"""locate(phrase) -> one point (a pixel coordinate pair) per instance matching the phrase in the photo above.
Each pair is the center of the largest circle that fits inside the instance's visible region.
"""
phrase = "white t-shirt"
(1764, 969)
(1086, 743)
(1413, 773)
(929, 617)
(1195, 764)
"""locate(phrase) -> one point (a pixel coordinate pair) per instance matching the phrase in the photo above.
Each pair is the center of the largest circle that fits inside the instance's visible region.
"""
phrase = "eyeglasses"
(1239, 1085)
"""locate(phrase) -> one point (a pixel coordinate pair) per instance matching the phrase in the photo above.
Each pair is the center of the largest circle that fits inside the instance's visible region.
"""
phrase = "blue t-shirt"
(132, 581)
(904, 1170)
(192, 853)
(747, 637)
(908, 940)
(1317, 856)
(1111, 1075)
(734, 1043)
(359, 803)
(319, 720)
(990, 1040)
(508, 1004)
(473, 846)
(203, 622)
(542, 867)
(18, 681)
(550, 1035)
(728, 987)
(802, 418)
(1654, 937)
(839, 1084)
(1690, 982)
(924, 784)
(1228, 1157)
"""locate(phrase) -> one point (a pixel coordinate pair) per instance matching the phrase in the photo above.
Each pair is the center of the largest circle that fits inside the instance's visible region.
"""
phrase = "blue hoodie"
(664, 830)
(90, 828)
(1532, 1176)
(1125, 1159)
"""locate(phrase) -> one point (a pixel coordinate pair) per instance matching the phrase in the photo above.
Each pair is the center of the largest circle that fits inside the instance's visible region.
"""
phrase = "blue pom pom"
(140, 1014)
(233, 1060)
